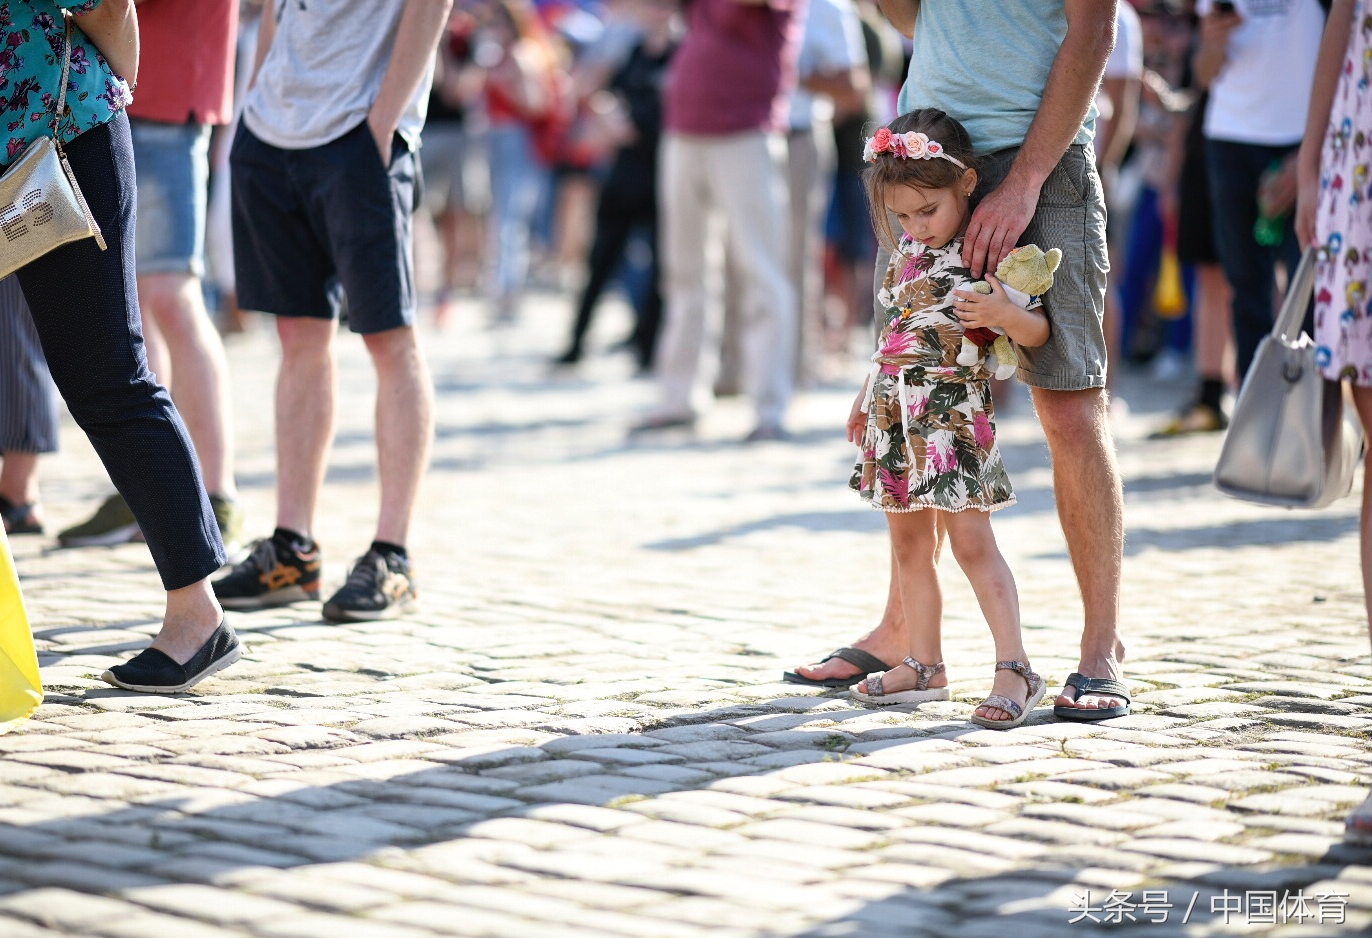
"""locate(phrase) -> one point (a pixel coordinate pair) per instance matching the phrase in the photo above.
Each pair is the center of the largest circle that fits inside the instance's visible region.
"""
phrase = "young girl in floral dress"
(925, 423)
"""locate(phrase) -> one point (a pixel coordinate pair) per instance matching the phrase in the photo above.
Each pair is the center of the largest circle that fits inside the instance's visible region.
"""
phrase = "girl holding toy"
(925, 422)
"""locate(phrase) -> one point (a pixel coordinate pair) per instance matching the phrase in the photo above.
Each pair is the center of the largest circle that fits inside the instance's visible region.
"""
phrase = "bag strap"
(62, 90)
(1298, 294)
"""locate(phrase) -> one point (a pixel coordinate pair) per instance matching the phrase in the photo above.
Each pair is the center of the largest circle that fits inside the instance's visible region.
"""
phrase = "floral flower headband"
(907, 146)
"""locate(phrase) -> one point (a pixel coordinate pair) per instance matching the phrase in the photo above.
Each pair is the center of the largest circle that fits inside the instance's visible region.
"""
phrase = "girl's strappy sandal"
(921, 692)
(1000, 702)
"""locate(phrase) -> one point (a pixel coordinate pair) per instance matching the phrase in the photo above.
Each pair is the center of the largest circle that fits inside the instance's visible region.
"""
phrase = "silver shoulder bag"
(1293, 441)
(41, 206)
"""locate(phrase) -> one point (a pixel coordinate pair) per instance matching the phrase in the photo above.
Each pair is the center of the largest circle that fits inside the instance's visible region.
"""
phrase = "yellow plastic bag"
(21, 689)
(1169, 296)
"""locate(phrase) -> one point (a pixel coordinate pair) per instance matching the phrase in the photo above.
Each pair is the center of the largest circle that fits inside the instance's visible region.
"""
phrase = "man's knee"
(1066, 415)
(168, 298)
(304, 337)
(392, 347)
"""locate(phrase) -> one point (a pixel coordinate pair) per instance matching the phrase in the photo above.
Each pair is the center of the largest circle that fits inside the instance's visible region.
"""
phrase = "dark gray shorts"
(1070, 216)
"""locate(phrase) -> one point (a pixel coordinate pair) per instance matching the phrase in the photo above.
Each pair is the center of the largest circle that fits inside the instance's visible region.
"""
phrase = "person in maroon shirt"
(185, 86)
(723, 158)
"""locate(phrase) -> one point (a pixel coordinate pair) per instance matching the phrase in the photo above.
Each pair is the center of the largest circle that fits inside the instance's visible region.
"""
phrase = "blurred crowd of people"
(1204, 107)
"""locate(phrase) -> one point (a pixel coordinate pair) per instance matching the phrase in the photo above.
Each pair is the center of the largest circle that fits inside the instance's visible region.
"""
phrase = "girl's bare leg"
(915, 545)
(888, 640)
(974, 548)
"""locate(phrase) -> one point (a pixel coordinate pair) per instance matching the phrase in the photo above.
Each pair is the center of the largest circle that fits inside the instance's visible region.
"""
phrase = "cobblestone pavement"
(583, 732)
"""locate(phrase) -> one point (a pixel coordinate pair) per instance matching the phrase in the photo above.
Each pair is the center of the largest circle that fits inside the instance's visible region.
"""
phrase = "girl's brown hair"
(890, 170)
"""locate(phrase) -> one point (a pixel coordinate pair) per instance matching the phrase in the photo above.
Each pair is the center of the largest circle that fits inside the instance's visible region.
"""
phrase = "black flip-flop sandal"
(1093, 685)
(869, 664)
(153, 672)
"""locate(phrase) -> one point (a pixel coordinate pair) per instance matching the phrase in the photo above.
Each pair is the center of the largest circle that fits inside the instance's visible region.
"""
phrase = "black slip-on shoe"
(153, 672)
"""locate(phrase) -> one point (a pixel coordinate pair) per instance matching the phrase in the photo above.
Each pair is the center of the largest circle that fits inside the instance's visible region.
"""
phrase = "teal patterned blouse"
(32, 40)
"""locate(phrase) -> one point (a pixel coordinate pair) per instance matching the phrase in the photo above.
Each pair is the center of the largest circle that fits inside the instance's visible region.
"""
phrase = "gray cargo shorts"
(1070, 216)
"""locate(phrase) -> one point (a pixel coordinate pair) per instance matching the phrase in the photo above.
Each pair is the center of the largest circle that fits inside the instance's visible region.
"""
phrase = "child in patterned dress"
(925, 423)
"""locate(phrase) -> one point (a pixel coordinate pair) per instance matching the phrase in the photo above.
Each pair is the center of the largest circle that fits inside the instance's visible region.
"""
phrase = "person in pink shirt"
(724, 159)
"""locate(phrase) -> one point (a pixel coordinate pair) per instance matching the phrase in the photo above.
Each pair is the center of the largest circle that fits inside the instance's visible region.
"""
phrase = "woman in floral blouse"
(85, 306)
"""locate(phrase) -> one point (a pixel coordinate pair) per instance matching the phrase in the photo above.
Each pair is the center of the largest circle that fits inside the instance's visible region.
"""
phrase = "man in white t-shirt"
(323, 173)
(1258, 60)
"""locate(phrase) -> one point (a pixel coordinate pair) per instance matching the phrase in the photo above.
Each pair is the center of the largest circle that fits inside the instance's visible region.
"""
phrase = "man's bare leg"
(305, 391)
(404, 426)
(1090, 499)
(888, 640)
(184, 335)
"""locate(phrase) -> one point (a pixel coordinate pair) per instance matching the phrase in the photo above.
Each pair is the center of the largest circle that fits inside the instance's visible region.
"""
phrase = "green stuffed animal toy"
(1026, 274)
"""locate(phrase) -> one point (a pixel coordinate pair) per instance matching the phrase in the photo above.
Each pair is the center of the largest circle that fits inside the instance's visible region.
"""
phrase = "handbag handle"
(62, 90)
(1298, 293)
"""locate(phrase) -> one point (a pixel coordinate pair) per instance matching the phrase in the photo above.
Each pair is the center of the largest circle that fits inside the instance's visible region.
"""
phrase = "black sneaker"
(379, 586)
(274, 574)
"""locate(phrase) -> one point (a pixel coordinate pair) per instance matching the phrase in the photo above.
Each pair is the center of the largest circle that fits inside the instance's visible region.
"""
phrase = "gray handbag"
(1292, 442)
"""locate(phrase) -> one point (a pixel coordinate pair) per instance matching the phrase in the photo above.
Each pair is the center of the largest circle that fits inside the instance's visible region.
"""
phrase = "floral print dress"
(32, 44)
(930, 440)
(1343, 225)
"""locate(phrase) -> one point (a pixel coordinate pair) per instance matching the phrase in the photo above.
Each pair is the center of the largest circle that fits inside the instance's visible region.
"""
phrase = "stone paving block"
(844, 796)
(1114, 779)
(595, 789)
(714, 750)
(489, 756)
(631, 870)
(140, 923)
(595, 895)
(627, 756)
(690, 836)
(371, 876)
(1045, 831)
(318, 925)
(61, 908)
(854, 818)
(321, 892)
(679, 775)
(75, 874)
(1197, 851)
(601, 820)
(608, 741)
(526, 773)
(809, 832)
(1105, 818)
(947, 793)
(953, 815)
(216, 906)
(727, 801)
(532, 833)
(685, 812)
(696, 733)
(983, 775)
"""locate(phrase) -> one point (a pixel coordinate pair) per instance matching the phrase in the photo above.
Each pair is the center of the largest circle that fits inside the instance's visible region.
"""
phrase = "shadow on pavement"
(455, 815)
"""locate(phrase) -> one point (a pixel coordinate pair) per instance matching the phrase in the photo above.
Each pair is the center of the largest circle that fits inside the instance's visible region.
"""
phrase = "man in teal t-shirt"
(1021, 76)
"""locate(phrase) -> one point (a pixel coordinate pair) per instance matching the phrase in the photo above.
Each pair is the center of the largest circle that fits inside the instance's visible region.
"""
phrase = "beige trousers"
(707, 185)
